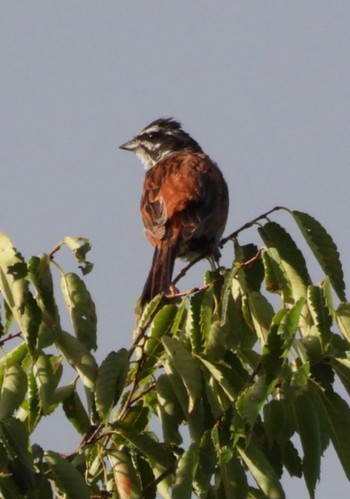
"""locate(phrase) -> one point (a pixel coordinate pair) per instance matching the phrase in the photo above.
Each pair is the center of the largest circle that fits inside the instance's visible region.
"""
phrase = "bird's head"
(159, 139)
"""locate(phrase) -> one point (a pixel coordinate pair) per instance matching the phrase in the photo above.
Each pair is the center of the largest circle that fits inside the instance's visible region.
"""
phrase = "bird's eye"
(151, 135)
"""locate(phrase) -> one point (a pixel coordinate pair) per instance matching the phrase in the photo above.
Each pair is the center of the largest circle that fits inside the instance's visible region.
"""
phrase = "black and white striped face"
(159, 139)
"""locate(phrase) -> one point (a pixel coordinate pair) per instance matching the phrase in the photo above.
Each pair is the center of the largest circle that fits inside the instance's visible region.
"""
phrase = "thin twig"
(54, 250)
(10, 336)
(249, 224)
(161, 477)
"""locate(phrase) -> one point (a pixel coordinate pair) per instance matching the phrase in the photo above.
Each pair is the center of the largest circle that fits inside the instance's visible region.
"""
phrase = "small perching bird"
(184, 203)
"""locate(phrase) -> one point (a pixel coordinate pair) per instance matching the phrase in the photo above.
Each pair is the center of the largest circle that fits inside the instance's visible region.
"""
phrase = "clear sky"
(263, 86)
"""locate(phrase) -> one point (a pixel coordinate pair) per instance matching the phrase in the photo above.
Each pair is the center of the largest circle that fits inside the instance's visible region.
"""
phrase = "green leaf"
(66, 477)
(251, 274)
(169, 410)
(324, 250)
(110, 381)
(275, 279)
(15, 289)
(262, 313)
(35, 411)
(206, 464)
(160, 326)
(233, 477)
(13, 390)
(15, 356)
(75, 411)
(336, 416)
(40, 274)
(261, 470)
(252, 400)
(193, 326)
(308, 427)
(80, 247)
(292, 260)
(224, 376)
(44, 377)
(342, 316)
(157, 453)
(8, 489)
(184, 473)
(226, 290)
(81, 308)
(273, 352)
(186, 366)
(15, 438)
(80, 359)
(320, 313)
(289, 325)
(342, 368)
(126, 479)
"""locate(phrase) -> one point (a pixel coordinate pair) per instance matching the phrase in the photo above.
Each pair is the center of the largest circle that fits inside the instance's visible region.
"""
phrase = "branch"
(10, 337)
(249, 224)
(153, 485)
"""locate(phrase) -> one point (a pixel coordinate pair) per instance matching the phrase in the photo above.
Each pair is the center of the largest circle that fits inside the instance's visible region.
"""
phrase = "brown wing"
(180, 195)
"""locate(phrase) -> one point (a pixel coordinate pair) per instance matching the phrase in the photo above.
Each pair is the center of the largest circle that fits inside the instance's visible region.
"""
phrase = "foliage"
(237, 377)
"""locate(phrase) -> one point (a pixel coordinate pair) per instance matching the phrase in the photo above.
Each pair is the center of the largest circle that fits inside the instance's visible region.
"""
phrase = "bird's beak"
(130, 146)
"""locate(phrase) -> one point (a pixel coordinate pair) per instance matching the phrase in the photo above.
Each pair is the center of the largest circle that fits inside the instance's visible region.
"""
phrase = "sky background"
(263, 86)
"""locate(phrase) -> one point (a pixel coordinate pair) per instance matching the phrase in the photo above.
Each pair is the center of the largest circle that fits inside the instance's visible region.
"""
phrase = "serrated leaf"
(251, 274)
(160, 326)
(226, 290)
(261, 470)
(273, 352)
(233, 477)
(169, 410)
(66, 477)
(34, 406)
(184, 473)
(81, 309)
(110, 381)
(15, 290)
(159, 454)
(126, 479)
(186, 366)
(342, 368)
(289, 325)
(308, 427)
(80, 246)
(275, 279)
(252, 400)
(222, 375)
(206, 464)
(292, 259)
(75, 412)
(45, 380)
(15, 438)
(320, 313)
(40, 274)
(336, 416)
(147, 477)
(13, 390)
(342, 316)
(193, 325)
(324, 250)
(15, 356)
(80, 359)
(262, 313)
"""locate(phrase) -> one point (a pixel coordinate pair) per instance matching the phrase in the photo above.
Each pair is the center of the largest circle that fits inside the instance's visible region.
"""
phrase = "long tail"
(159, 277)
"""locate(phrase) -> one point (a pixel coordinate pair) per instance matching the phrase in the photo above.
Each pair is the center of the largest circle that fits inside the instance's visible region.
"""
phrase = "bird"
(184, 203)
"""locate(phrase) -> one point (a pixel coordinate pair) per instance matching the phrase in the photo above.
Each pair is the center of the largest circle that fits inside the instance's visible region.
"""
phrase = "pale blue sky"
(263, 86)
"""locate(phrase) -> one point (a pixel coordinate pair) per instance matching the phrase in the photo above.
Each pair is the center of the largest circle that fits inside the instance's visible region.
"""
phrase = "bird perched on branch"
(184, 202)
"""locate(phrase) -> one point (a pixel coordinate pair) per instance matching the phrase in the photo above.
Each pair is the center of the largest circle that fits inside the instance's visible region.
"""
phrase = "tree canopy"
(224, 388)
